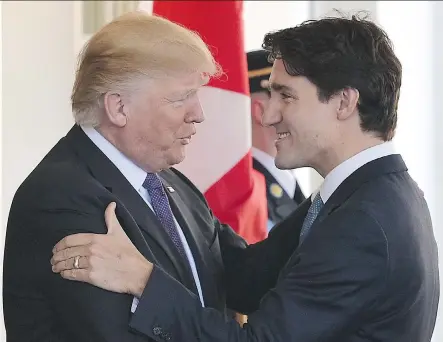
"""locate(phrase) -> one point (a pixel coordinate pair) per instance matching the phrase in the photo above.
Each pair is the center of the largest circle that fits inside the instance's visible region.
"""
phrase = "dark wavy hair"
(339, 53)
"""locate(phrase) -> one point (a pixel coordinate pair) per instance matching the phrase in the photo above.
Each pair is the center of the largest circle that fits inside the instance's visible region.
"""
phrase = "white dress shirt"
(136, 176)
(337, 176)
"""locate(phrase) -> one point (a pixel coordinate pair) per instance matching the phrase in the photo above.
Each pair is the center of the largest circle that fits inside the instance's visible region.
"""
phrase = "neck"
(111, 134)
(344, 151)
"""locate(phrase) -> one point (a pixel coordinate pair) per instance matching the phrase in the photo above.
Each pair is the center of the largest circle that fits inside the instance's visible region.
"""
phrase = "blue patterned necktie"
(316, 205)
(162, 209)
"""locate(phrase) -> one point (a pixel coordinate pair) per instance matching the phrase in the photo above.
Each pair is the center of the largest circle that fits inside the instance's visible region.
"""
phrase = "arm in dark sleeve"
(319, 296)
(45, 211)
(252, 270)
(84, 312)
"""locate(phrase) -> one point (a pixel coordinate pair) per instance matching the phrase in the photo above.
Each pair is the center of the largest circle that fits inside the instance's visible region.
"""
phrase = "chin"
(285, 164)
(280, 164)
(176, 159)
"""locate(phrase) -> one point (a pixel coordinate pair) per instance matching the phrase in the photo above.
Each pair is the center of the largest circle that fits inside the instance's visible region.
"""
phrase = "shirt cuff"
(160, 305)
(134, 304)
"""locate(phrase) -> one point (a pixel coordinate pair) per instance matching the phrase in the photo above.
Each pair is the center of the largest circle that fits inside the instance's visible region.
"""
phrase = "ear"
(348, 103)
(257, 110)
(115, 109)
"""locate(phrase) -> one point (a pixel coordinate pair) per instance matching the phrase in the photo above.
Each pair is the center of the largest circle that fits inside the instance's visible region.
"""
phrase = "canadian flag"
(219, 160)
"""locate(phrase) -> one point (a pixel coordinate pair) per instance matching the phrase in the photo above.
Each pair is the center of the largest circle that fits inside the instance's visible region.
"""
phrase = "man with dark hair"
(365, 265)
(283, 193)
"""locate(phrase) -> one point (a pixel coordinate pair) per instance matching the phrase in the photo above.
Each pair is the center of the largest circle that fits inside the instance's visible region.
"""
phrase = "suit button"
(166, 336)
(157, 331)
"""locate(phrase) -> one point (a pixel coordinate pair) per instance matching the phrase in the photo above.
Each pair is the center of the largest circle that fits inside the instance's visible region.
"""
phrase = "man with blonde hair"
(135, 105)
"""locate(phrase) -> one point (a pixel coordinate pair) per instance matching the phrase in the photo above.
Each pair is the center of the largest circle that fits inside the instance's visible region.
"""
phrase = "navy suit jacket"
(367, 271)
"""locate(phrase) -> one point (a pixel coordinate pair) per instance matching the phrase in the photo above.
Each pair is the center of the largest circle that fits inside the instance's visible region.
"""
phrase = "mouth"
(186, 140)
(283, 135)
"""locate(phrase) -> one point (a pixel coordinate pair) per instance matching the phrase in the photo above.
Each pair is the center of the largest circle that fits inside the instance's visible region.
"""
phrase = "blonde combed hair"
(133, 46)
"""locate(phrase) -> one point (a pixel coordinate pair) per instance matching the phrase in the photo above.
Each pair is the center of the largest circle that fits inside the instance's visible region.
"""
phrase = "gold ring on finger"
(76, 262)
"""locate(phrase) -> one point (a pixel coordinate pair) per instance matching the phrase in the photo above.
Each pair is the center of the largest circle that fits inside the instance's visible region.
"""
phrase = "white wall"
(437, 84)
(38, 64)
(437, 132)
(2, 331)
(258, 21)
(38, 69)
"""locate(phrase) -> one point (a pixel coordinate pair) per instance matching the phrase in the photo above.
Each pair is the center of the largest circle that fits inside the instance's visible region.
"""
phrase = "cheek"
(176, 122)
(293, 120)
(169, 128)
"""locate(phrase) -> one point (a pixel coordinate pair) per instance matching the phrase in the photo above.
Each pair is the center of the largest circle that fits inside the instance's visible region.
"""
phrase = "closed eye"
(183, 98)
(286, 97)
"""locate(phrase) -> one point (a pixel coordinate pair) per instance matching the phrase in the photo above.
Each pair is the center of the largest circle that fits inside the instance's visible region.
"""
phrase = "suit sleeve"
(41, 216)
(85, 312)
(320, 294)
(251, 271)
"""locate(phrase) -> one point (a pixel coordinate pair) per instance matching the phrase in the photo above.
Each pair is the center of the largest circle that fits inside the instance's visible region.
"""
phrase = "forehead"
(278, 73)
(281, 78)
(175, 85)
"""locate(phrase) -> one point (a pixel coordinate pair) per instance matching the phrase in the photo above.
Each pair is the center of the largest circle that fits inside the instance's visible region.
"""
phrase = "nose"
(272, 113)
(195, 113)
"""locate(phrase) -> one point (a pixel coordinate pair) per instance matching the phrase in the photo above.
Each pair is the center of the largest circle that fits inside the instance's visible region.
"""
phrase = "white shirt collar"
(134, 174)
(333, 180)
(284, 177)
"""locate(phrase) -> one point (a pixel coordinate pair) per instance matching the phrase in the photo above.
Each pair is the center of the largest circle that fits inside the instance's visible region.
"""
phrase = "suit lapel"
(110, 177)
(149, 223)
(369, 171)
(379, 167)
(196, 240)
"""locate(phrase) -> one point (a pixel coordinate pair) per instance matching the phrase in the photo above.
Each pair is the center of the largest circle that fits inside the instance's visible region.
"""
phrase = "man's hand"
(108, 261)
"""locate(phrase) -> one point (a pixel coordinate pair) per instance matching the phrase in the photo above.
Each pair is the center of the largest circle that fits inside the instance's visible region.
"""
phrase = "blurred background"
(40, 41)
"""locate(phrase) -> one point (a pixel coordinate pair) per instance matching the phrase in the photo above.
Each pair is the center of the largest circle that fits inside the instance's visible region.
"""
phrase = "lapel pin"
(276, 190)
(170, 189)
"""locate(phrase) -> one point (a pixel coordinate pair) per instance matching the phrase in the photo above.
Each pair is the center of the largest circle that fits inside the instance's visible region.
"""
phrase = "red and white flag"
(219, 159)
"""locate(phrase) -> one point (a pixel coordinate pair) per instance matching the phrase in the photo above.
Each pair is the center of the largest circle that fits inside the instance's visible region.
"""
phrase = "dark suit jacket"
(67, 193)
(278, 207)
(367, 271)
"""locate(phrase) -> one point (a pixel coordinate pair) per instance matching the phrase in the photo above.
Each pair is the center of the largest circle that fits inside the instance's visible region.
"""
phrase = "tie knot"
(152, 182)
(317, 204)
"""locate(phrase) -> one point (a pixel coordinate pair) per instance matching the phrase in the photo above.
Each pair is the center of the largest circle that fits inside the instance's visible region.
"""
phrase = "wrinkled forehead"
(185, 81)
(176, 84)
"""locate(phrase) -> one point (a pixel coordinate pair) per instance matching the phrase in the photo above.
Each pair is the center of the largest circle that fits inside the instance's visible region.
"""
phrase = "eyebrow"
(280, 87)
(183, 94)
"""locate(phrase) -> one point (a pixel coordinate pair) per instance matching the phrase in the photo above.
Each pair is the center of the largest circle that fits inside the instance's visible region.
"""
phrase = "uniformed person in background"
(282, 191)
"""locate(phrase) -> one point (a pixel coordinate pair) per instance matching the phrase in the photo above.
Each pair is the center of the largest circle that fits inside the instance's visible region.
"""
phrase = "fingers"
(114, 227)
(74, 240)
(69, 264)
(69, 253)
(76, 274)
(111, 218)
